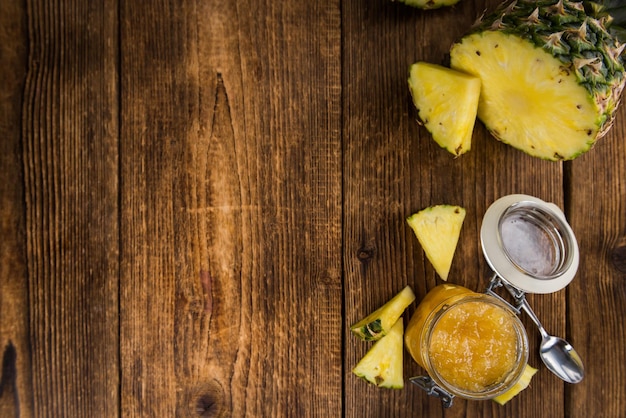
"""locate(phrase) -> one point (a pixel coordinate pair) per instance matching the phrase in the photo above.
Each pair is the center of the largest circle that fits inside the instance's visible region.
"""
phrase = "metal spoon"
(557, 354)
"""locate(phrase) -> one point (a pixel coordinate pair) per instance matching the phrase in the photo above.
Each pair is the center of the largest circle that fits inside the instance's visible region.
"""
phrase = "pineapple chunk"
(437, 229)
(378, 323)
(429, 4)
(382, 364)
(447, 102)
(521, 384)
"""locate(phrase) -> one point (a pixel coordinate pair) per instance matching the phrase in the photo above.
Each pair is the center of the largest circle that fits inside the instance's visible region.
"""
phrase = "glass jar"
(471, 344)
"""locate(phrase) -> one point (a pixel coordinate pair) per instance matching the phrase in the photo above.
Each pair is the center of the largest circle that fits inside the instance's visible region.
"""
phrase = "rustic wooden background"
(199, 197)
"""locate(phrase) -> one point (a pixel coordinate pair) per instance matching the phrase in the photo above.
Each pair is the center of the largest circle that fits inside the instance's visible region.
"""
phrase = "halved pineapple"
(447, 103)
(551, 76)
(521, 384)
(438, 229)
(378, 323)
(382, 364)
(429, 4)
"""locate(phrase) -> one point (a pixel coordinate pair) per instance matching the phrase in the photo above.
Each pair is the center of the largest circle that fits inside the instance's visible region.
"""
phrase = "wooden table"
(199, 197)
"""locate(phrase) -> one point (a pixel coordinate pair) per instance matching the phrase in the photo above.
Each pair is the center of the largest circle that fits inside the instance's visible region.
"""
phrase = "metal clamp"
(517, 294)
(432, 389)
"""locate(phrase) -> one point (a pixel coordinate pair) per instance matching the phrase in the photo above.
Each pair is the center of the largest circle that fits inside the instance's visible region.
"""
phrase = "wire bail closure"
(432, 389)
(517, 294)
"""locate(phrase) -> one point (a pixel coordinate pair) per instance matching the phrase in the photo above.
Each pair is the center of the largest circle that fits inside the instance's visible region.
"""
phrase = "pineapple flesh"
(438, 229)
(521, 384)
(447, 103)
(378, 323)
(382, 364)
(551, 76)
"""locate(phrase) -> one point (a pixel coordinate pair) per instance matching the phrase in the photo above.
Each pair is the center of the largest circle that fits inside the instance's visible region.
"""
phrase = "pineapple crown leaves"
(612, 13)
(531, 18)
(575, 32)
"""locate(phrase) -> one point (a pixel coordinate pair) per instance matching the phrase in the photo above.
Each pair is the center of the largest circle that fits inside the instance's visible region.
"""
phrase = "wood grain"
(15, 366)
(231, 239)
(596, 310)
(69, 146)
(199, 197)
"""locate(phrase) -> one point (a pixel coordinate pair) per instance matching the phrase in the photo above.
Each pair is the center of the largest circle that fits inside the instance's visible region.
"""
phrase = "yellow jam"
(428, 305)
(465, 340)
(473, 346)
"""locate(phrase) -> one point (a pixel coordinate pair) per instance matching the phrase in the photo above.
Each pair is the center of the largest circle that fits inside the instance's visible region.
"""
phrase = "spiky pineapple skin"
(378, 323)
(382, 365)
(582, 46)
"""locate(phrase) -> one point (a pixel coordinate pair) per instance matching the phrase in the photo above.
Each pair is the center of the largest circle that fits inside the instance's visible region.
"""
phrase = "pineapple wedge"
(521, 384)
(378, 323)
(551, 75)
(382, 364)
(437, 229)
(447, 102)
(429, 4)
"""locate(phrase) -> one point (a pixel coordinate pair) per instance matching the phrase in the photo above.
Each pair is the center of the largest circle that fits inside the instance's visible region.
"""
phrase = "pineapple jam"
(470, 343)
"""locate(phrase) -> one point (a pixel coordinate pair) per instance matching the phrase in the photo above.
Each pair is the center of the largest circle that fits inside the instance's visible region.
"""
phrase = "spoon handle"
(526, 307)
(520, 299)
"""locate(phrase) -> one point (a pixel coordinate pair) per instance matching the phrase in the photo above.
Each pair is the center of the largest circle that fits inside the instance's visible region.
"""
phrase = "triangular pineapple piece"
(521, 384)
(382, 364)
(378, 323)
(447, 102)
(438, 228)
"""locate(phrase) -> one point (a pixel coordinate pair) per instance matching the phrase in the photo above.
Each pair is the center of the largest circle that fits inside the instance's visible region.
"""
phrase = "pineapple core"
(447, 103)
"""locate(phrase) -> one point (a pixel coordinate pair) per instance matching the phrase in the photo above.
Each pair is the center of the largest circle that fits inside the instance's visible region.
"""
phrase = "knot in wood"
(619, 256)
(365, 253)
(208, 401)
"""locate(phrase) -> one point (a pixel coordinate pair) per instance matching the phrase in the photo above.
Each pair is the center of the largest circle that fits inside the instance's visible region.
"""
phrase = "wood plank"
(597, 210)
(15, 381)
(231, 209)
(392, 169)
(70, 138)
(181, 228)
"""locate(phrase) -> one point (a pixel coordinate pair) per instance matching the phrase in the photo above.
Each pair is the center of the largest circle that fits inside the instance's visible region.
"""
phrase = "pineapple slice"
(382, 364)
(429, 4)
(437, 229)
(447, 102)
(551, 76)
(378, 323)
(521, 384)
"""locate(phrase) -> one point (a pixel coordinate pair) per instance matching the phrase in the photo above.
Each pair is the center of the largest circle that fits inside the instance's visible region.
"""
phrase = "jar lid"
(529, 244)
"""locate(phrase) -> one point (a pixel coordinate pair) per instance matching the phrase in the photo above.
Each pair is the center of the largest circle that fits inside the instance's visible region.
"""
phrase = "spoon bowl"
(561, 358)
(557, 354)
